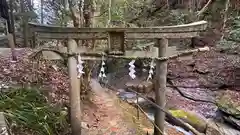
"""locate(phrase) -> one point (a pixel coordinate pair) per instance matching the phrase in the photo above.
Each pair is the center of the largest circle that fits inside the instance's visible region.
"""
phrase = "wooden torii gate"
(117, 49)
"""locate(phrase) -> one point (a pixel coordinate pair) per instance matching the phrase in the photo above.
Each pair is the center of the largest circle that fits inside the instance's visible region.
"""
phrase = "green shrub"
(28, 110)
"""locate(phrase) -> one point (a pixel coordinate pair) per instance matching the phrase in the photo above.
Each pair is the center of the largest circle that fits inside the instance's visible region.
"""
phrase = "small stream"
(131, 98)
(127, 96)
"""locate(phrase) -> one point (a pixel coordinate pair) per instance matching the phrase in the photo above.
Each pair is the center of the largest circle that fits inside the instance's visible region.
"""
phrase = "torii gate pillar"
(160, 85)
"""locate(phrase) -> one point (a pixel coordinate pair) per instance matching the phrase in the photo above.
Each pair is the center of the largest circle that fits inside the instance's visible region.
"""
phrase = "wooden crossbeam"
(51, 54)
(178, 31)
(192, 27)
(99, 36)
(116, 36)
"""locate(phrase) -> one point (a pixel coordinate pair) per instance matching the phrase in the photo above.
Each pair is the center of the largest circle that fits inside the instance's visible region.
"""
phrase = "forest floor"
(217, 71)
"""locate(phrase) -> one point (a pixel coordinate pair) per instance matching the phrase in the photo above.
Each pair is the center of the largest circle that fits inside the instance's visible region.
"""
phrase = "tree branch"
(204, 9)
(148, 13)
(225, 18)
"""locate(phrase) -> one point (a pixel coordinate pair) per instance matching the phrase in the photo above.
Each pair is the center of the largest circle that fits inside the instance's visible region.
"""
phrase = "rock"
(229, 105)
(149, 131)
(233, 121)
(84, 125)
(212, 128)
(201, 70)
(127, 95)
(148, 86)
(195, 120)
(218, 128)
(142, 87)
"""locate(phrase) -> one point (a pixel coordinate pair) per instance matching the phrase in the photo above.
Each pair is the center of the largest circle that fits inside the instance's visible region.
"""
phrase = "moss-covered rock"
(228, 104)
(195, 120)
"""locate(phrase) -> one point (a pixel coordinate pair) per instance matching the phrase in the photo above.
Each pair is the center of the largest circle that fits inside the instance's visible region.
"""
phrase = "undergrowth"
(27, 111)
(232, 41)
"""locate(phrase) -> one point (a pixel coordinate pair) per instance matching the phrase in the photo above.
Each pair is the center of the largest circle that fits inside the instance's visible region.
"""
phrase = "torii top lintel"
(176, 31)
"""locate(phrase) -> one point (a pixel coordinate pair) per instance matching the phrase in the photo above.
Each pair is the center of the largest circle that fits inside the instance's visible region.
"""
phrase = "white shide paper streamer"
(80, 66)
(150, 73)
(132, 70)
(102, 70)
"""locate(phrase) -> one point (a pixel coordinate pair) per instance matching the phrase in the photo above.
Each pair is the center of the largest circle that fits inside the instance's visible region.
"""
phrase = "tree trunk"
(88, 15)
(24, 24)
(12, 21)
(10, 31)
(30, 5)
(73, 6)
(161, 3)
(80, 7)
(42, 20)
(74, 13)
(87, 12)
(227, 3)
(109, 13)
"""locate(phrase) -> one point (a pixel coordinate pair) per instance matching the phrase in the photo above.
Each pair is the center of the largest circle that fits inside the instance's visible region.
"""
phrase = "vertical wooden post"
(24, 24)
(160, 85)
(12, 46)
(74, 92)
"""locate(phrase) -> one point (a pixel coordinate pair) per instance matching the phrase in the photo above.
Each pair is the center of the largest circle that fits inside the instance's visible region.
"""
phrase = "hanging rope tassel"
(80, 66)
